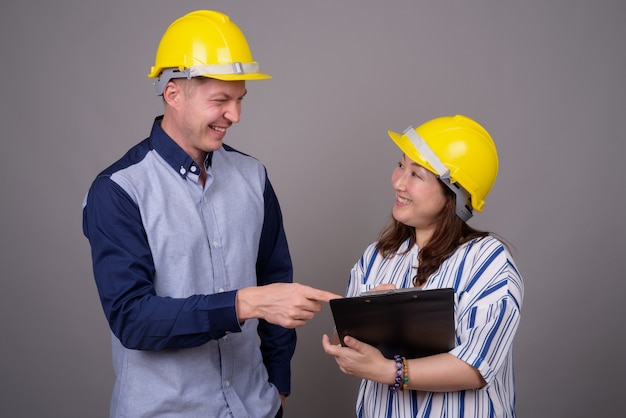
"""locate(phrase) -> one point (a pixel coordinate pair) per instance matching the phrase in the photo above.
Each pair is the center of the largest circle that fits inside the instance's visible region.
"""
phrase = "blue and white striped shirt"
(488, 298)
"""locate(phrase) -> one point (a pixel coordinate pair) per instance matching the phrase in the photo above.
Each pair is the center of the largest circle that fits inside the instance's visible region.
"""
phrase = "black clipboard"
(409, 322)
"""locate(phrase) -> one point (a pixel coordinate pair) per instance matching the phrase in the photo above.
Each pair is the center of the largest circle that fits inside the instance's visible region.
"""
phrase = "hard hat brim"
(409, 150)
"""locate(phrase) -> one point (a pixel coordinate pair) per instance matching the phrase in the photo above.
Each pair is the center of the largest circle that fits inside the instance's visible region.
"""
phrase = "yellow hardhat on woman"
(204, 43)
(458, 150)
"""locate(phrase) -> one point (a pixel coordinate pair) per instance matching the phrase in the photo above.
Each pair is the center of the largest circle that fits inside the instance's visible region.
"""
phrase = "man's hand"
(289, 305)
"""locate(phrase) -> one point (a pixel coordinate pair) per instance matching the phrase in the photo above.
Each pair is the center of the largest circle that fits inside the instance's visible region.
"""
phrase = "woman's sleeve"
(488, 309)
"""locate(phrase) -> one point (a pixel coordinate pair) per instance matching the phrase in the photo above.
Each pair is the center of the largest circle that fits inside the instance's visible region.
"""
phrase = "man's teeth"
(403, 200)
(218, 129)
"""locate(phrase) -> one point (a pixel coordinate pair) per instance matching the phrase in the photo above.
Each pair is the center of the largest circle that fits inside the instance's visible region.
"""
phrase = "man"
(189, 253)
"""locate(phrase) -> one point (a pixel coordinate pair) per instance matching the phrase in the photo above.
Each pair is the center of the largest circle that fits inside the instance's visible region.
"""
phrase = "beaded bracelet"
(405, 374)
(399, 372)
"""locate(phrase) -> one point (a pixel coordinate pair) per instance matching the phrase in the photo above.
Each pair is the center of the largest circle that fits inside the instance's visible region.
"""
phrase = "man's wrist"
(243, 308)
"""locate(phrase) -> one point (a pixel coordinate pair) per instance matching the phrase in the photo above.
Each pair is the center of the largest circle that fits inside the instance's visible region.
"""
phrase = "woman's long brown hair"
(450, 233)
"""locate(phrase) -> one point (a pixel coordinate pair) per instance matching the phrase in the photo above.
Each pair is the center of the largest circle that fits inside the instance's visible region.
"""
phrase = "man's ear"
(172, 93)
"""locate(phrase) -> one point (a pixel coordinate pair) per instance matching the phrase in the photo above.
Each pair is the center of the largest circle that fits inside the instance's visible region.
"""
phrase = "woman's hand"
(383, 287)
(361, 360)
(438, 373)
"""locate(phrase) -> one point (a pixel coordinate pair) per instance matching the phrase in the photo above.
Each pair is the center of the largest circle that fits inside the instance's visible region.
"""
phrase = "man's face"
(203, 111)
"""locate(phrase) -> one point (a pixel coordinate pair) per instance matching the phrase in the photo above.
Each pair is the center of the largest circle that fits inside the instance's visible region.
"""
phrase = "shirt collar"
(171, 152)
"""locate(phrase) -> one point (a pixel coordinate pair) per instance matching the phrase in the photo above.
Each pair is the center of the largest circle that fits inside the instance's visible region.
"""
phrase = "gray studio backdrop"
(545, 77)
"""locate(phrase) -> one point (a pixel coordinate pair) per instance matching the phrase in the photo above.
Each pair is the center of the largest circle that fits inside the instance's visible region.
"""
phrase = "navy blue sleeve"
(124, 271)
(278, 344)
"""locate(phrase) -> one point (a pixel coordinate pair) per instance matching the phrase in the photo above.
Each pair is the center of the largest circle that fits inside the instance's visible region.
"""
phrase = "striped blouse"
(488, 298)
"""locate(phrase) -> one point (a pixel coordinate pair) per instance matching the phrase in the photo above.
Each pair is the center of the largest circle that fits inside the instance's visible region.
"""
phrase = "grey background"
(545, 77)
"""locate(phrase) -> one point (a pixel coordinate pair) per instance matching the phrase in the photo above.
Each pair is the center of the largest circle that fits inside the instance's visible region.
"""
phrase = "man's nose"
(233, 112)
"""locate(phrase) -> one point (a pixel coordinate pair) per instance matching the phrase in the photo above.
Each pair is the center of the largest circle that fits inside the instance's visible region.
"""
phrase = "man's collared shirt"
(169, 256)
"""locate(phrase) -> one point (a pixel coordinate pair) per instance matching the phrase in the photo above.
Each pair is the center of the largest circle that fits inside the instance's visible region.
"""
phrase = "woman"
(448, 166)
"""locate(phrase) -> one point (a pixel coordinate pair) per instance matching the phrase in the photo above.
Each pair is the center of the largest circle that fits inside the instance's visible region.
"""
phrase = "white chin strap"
(203, 70)
(463, 210)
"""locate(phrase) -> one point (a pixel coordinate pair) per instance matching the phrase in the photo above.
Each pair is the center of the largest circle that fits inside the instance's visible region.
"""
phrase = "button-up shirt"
(488, 299)
(168, 258)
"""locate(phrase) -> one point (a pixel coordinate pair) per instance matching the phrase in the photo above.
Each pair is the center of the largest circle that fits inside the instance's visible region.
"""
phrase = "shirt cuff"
(223, 313)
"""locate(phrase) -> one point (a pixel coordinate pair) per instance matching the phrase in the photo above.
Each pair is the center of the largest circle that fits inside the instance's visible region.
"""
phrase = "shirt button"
(182, 170)
(227, 383)
(221, 289)
(193, 168)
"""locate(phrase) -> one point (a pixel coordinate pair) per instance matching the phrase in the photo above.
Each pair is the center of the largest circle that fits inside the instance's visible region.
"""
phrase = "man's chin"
(213, 145)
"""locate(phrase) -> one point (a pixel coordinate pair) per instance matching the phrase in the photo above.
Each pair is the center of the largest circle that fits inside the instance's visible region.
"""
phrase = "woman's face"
(419, 196)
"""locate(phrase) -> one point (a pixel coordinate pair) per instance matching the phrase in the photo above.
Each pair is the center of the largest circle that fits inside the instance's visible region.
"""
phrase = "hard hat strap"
(463, 211)
(203, 70)
(427, 153)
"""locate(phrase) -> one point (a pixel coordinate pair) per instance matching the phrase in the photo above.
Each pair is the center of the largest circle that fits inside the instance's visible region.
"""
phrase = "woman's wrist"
(398, 371)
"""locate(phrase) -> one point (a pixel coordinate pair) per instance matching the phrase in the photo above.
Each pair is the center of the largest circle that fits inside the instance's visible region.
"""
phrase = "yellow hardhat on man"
(204, 43)
(458, 150)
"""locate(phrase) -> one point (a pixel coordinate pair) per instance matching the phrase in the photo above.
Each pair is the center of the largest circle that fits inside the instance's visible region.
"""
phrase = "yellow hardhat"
(458, 150)
(204, 43)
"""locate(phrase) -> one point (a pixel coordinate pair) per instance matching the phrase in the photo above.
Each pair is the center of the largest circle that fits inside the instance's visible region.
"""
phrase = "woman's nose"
(397, 181)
